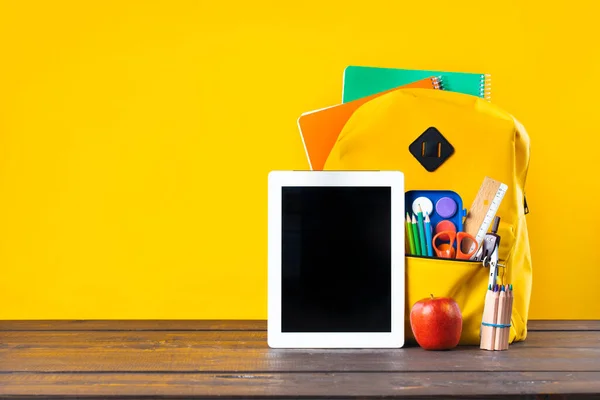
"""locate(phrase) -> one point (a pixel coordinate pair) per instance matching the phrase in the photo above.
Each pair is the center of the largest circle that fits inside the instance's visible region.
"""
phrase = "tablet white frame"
(278, 339)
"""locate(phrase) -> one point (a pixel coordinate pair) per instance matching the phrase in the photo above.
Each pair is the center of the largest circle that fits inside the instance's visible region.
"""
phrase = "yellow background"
(136, 138)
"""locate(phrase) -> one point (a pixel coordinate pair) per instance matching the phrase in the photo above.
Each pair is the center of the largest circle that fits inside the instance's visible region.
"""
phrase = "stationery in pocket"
(361, 81)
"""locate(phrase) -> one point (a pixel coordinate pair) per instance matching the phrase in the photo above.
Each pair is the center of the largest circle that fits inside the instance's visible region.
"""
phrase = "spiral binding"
(485, 88)
(438, 83)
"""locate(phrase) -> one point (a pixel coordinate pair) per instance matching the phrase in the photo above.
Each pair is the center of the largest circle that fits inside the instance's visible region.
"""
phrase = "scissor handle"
(451, 235)
(459, 254)
(450, 242)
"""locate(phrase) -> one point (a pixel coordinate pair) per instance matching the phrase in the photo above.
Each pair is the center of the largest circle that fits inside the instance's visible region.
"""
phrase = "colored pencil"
(497, 311)
(428, 239)
(501, 318)
(415, 231)
(495, 330)
(487, 313)
(507, 318)
(490, 312)
(409, 234)
(509, 312)
(421, 231)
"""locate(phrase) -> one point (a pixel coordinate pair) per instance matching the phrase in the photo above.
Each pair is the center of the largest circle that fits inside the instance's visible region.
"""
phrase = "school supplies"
(497, 315)
(362, 81)
(447, 250)
(424, 203)
(484, 208)
(319, 129)
(428, 238)
(490, 312)
(409, 234)
(444, 226)
(444, 207)
(488, 252)
(415, 234)
(378, 137)
(444, 214)
(421, 227)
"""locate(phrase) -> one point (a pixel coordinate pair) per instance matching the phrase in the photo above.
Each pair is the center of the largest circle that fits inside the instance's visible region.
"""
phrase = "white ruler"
(484, 209)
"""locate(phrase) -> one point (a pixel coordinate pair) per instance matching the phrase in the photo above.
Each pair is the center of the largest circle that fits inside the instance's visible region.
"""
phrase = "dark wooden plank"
(563, 325)
(134, 339)
(133, 325)
(248, 352)
(363, 385)
(206, 325)
(144, 340)
(573, 339)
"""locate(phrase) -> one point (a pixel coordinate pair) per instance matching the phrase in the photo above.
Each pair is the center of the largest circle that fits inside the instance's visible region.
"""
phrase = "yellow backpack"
(486, 141)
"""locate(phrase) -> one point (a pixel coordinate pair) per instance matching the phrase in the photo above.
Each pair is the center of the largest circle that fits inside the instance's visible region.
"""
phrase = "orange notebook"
(319, 129)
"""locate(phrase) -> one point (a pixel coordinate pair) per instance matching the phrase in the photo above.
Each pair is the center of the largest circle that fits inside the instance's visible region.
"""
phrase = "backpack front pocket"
(464, 281)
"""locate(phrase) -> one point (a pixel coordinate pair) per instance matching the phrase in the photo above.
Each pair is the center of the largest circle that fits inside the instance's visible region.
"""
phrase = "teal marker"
(424, 250)
(428, 239)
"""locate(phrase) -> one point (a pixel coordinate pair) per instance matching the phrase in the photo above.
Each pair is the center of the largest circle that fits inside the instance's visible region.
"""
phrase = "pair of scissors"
(446, 248)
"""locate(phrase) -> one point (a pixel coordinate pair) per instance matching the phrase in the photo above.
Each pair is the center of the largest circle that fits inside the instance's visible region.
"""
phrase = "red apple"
(436, 323)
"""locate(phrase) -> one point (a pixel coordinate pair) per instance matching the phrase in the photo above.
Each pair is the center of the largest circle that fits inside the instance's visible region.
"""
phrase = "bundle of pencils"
(497, 312)
(418, 234)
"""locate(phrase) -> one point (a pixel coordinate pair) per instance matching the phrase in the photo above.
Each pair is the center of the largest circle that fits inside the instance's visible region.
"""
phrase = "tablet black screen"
(336, 259)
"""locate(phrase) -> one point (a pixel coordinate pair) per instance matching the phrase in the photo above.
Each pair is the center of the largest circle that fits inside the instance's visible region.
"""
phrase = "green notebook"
(362, 81)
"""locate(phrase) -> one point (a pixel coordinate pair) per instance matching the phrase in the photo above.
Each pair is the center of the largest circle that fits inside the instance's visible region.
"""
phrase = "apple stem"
(431, 295)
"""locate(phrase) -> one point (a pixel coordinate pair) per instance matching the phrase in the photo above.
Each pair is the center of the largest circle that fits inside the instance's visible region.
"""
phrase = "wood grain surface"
(318, 385)
(227, 325)
(230, 339)
(133, 325)
(560, 325)
(231, 359)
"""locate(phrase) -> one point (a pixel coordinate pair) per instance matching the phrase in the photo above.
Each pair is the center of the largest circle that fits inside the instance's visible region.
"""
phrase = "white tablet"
(336, 259)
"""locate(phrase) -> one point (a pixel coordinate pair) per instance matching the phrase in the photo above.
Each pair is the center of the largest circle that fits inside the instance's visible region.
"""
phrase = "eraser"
(425, 203)
(445, 225)
(446, 207)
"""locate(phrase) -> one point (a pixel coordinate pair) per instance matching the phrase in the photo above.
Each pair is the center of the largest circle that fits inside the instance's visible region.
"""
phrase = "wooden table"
(231, 359)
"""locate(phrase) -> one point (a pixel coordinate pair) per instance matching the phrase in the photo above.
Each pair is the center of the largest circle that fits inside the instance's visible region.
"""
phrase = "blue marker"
(428, 236)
